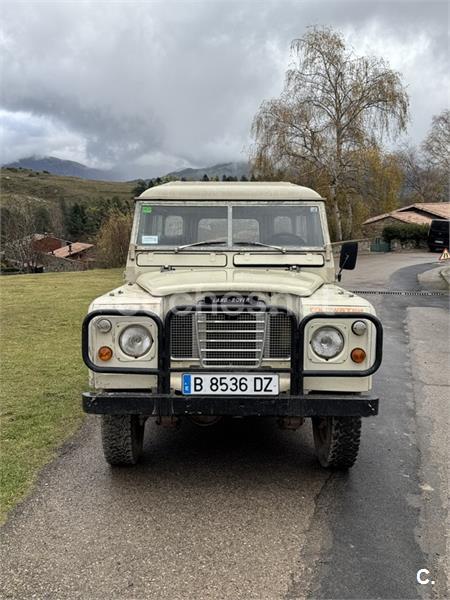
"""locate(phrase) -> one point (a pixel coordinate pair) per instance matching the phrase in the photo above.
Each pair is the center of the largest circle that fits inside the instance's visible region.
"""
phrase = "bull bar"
(161, 402)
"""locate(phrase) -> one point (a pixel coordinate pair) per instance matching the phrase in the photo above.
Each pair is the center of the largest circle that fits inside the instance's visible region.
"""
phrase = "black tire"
(122, 439)
(337, 441)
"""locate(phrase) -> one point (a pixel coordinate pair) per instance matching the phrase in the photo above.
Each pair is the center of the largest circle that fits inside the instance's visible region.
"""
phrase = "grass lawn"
(42, 373)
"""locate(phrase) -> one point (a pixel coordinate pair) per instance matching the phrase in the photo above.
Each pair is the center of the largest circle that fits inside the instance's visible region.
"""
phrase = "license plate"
(230, 384)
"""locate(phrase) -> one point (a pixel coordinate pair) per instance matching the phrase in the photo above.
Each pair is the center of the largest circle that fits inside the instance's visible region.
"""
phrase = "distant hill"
(57, 166)
(50, 190)
(231, 169)
(70, 168)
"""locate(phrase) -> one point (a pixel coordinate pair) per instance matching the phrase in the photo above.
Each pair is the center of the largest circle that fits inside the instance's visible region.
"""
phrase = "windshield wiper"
(203, 243)
(251, 243)
(222, 241)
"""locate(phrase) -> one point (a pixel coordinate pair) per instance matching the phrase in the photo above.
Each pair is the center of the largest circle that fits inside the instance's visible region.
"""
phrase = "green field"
(42, 374)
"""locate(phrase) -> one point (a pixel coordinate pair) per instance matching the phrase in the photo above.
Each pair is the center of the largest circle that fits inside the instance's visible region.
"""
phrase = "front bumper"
(309, 405)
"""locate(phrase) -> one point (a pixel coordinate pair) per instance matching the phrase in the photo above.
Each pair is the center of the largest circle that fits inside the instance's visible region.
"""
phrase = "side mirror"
(347, 258)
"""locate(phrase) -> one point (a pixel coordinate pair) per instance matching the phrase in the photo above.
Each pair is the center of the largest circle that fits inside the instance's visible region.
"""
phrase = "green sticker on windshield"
(147, 209)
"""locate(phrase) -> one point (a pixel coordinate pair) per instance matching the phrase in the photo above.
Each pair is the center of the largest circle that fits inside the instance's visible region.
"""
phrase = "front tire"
(122, 439)
(337, 441)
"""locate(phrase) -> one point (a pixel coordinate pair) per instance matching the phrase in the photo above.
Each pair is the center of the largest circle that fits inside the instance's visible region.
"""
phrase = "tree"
(140, 187)
(376, 189)
(437, 143)
(334, 105)
(77, 219)
(205, 177)
(423, 181)
(18, 235)
(99, 211)
(42, 221)
(113, 240)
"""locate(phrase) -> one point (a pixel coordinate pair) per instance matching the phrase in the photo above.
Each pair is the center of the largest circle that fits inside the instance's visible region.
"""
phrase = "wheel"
(337, 441)
(122, 439)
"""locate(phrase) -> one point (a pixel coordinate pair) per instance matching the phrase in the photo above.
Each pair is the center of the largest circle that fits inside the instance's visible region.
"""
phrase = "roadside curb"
(445, 274)
(437, 278)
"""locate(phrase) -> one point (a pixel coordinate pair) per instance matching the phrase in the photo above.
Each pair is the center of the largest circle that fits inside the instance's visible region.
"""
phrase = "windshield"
(291, 226)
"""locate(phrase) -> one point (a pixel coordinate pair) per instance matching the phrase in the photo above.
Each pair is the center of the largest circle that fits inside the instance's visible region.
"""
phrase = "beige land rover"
(231, 309)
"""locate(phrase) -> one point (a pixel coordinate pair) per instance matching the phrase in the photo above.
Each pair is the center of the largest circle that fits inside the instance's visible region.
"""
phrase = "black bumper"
(145, 403)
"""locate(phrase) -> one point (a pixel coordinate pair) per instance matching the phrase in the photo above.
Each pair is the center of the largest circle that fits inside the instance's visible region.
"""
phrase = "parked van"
(438, 236)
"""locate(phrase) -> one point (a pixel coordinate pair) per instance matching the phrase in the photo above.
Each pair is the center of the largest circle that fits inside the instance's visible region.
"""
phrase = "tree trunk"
(336, 213)
(349, 217)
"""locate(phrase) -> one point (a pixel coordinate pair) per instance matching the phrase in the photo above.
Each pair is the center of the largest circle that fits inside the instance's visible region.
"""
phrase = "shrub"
(113, 240)
(406, 232)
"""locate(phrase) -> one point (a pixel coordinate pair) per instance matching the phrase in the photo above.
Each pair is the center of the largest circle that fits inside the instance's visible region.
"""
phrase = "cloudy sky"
(149, 87)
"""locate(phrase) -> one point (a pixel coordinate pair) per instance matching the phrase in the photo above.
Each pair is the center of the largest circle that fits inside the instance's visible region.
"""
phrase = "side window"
(212, 229)
(173, 226)
(282, 224)
(302, 227)
(245, 230)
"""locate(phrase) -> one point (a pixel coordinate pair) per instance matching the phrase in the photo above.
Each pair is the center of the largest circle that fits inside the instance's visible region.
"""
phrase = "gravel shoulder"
(429, 334)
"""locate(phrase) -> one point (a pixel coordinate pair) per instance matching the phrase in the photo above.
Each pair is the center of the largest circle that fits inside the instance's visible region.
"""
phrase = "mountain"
(231, 169)
(57, 166)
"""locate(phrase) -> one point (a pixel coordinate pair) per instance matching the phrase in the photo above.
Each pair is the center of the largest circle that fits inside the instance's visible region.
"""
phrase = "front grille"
(231, 338)
(223, 339)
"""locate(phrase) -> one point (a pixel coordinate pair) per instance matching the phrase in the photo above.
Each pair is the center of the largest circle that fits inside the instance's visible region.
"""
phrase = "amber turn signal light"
(105, 353)
(358, 355)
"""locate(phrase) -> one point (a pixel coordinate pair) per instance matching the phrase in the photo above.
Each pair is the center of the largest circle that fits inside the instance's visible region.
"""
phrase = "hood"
(229, 280)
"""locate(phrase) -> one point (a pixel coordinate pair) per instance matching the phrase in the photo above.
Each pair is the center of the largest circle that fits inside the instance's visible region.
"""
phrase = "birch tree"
(334, 104)
(437, 143)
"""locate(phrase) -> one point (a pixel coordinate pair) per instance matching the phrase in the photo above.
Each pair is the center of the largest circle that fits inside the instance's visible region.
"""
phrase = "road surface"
(243, 510)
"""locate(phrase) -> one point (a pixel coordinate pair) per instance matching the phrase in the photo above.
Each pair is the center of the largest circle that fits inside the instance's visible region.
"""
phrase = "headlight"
(327, 342)
(135, 340)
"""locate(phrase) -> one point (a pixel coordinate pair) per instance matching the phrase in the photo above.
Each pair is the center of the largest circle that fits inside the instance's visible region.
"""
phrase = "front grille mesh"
(183, 342)
(224, 339)
(278, 341)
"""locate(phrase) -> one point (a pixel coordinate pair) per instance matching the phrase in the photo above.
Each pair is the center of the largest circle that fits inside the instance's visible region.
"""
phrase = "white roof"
(233, 190)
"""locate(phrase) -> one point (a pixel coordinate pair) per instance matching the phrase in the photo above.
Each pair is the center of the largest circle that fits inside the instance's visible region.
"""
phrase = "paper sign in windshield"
(149, 239)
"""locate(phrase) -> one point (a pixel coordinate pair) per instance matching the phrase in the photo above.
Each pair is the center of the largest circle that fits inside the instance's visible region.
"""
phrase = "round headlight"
(359, 328)
(135, 340)
(103, 325)
(327, 342)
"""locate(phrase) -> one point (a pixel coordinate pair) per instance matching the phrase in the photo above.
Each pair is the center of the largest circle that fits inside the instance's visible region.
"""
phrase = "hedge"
(406, 232)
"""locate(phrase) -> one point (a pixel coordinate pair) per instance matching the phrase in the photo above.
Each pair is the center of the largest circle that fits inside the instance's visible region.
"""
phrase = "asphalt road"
(243, 510)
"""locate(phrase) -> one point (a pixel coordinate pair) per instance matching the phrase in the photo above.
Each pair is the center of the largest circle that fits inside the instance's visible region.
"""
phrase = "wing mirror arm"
(341, 268)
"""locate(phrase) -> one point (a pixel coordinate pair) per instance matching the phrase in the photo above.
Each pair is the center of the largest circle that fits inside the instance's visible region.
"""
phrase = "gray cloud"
(152, 86)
